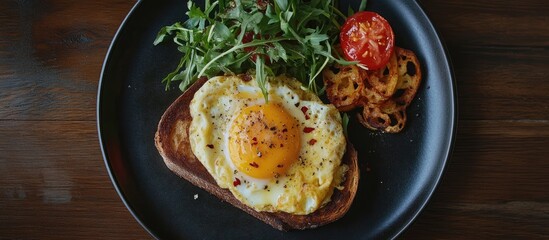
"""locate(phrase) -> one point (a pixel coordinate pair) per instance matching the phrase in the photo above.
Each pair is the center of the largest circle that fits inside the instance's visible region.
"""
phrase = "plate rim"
(106, 161)
(448, 150)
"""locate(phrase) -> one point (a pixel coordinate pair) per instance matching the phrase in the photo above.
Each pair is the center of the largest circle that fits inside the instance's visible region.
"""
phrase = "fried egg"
(283, 155)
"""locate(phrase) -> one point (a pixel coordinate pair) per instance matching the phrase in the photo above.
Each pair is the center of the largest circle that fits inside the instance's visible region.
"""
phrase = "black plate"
(399, 171)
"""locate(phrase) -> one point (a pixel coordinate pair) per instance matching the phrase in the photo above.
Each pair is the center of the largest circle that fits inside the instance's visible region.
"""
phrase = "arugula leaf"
(282, 5)
(362, 6)
(197, 18)
(345, 123)
(161, 35)
(260, 76)
(219, 33)
(315, 39)
(292, 37)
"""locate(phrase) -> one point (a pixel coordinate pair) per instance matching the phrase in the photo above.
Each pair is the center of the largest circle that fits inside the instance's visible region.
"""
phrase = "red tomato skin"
(368, 38)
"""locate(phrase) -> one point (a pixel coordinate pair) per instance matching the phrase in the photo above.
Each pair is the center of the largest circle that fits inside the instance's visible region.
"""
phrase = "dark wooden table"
(54, 185)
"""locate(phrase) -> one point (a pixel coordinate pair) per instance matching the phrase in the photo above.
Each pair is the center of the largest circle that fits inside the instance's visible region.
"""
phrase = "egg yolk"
(264, 141)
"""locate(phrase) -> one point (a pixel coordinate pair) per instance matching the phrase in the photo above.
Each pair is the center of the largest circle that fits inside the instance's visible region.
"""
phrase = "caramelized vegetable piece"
(386, 120)
(409, 78)
(390, 115)
(384, 80)
(344, 88)
(384, 93)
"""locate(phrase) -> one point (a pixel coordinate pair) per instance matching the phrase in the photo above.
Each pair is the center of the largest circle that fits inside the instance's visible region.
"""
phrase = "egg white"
(309, 183)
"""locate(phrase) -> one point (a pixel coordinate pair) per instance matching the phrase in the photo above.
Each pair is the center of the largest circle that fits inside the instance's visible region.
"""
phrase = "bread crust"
(172, 142)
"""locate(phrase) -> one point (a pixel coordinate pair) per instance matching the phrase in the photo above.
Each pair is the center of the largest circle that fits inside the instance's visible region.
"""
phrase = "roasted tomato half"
(368, 38)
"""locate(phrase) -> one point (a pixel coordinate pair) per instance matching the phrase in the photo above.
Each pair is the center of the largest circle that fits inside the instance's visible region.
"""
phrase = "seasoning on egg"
(236, 182)
(308, 129)
(304, 110)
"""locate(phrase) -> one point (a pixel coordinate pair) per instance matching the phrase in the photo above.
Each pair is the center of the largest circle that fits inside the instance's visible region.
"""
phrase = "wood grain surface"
(54, 185)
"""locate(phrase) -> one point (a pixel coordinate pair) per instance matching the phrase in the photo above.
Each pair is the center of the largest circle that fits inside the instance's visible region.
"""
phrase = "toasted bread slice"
(173, 144)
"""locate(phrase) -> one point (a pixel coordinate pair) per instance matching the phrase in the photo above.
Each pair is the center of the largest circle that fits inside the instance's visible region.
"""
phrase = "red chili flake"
(262, 5)
(284, 130)
(210, 146)
(236, 182)
(254, 164)
(304, 110)
(246, 77)
(254, 141)
(308, 129)
(279, 165)
(312, 141)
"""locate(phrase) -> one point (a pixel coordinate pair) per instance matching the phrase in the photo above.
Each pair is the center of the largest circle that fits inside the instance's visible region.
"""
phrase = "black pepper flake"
(279, 165)
(281, 145)
(284, 186)
(265, 188)
(296, 104)
(284, 130)
(254, 164)
(210, 146)
(276, 182)
(272, 128)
